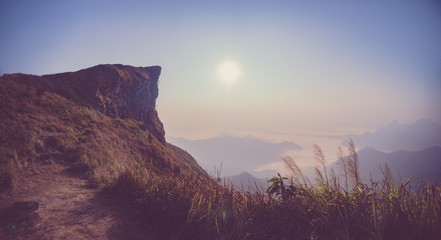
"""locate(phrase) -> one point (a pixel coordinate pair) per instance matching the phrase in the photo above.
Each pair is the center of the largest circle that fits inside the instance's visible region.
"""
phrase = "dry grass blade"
(292, 166)
(334, 179)
(343, 164)
(319, 176)
(353, 164)
(320, 158)
(388, 177)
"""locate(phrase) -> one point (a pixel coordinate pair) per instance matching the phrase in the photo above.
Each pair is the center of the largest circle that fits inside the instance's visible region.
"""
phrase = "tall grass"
(176, 207)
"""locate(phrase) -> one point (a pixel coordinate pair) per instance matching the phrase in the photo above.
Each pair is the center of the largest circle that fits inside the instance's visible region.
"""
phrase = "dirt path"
(67, 208)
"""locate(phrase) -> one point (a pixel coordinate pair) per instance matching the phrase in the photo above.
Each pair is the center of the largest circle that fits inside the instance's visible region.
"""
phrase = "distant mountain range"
(236, 154)
(414, 137)
(421, 166)
(246, 181)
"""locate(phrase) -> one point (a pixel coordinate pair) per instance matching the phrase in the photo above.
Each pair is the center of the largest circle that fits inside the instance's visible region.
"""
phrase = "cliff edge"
(101, 122)
(118, 91)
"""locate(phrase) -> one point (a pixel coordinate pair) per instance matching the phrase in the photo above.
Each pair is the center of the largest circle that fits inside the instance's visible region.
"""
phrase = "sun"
(228, 71)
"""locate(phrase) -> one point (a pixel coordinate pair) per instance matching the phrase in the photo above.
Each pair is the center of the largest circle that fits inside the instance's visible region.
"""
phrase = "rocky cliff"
(99, 121)
(118, 91)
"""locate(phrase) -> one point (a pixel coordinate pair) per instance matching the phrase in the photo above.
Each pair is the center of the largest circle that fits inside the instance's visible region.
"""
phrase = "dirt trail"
(67, 209)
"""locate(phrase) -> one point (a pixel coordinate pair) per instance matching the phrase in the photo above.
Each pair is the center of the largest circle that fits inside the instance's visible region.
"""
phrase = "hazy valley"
(411, 151)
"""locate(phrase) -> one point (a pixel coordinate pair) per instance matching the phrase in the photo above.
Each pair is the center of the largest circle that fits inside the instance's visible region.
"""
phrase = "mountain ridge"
(246, 181)
(423, 165)
(115, 90)
(396, 136)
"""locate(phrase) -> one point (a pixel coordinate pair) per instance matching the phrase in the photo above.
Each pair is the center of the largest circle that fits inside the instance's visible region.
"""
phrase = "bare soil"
(67, 208)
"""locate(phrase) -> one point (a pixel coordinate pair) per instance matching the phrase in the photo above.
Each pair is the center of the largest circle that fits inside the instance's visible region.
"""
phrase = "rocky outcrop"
(115, 90)
(101, 122)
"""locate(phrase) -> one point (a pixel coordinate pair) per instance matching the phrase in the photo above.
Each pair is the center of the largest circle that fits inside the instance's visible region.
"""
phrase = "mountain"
(99, 121)
(117, 91)
(246, 181)
(235, 154)
(421, 166)
(420, 135)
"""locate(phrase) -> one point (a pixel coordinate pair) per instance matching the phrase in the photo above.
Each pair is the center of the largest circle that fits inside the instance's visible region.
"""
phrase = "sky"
(305, 68)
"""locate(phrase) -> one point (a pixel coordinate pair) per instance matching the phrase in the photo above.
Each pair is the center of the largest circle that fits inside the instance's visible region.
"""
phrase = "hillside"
(99, 121)
(86, 129)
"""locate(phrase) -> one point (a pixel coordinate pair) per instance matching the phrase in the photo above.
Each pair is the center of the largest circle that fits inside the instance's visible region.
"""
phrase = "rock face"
(100, 121)
(115, 90)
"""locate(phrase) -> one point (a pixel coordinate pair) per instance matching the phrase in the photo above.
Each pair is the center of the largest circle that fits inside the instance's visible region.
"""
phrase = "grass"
(42, 126)
(176, 207)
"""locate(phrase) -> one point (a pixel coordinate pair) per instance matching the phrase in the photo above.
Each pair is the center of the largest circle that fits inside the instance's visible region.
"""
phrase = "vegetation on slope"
(172, 207)
(38, 125)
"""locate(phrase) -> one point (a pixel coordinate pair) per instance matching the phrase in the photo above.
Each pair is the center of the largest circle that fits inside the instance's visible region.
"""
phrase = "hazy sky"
(306, 67)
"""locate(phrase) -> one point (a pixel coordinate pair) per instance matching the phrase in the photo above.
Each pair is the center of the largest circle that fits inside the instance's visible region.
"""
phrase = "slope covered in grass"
(40, 122)
(170, 207)
(173, 207)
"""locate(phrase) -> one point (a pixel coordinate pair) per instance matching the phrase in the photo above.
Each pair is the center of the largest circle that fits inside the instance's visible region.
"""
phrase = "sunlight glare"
(228, 71)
